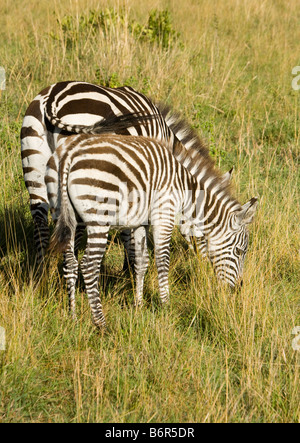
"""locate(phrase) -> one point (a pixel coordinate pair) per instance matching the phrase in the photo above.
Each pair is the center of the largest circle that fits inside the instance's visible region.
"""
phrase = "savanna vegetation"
(213, 355)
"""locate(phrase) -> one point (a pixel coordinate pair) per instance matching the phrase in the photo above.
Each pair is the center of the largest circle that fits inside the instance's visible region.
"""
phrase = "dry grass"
(212, 356)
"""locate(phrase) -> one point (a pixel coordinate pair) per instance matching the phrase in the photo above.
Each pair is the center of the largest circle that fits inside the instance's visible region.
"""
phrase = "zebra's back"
(114, 177)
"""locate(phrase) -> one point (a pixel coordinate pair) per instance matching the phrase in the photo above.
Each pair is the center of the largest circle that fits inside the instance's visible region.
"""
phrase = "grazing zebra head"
(222, 234)
(227, 250)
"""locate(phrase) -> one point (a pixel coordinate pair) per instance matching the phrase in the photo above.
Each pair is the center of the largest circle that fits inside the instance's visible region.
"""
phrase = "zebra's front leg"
(162, 233)
(128, 241)
(141, 262)
(90, 265)
(71, 274)
(201, 245)
(196, 243)
(80, 228)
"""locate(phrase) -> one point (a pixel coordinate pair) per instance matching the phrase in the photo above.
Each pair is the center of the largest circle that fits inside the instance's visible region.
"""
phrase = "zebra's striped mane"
(183, 131)
(191, 151)
(203, 169)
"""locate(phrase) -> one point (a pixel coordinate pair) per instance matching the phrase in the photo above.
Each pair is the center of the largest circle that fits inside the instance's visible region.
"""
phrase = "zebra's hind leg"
(41, 240)
(71, 275)
(80, 228)
(128, 241)
(41, 230)
(162, 233)
(141, 262)
(70, 268)
(90, 265)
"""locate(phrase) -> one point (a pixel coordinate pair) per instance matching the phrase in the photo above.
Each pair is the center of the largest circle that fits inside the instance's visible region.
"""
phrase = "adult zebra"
(98, 177)
(78, 107)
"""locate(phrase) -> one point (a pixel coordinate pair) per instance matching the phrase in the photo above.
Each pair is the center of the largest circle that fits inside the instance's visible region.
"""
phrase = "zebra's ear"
(245, 216)
(226, 179)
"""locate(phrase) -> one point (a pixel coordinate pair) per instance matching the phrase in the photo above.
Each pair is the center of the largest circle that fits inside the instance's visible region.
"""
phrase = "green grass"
(212, 356)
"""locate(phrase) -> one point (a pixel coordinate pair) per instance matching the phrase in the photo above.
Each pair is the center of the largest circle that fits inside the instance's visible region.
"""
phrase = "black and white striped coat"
(134, 182)
(79, 107)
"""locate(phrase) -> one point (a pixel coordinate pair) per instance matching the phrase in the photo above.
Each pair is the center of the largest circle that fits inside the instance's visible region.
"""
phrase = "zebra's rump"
(80, 107)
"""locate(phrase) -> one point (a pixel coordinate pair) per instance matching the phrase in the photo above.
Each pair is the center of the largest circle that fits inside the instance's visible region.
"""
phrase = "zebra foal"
(134, 182)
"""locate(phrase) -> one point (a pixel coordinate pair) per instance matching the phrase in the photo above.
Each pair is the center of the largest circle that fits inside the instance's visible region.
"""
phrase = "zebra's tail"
(65, 228)
(113, 124)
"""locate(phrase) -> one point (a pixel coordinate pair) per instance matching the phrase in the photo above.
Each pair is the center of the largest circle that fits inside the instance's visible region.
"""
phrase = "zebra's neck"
(208, 203)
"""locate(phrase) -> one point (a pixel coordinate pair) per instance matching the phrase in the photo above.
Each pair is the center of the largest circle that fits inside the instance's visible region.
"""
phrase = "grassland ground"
(212, 356)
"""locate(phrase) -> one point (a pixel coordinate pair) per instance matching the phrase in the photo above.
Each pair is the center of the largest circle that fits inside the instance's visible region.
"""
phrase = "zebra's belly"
(114, 220)
(108, 209)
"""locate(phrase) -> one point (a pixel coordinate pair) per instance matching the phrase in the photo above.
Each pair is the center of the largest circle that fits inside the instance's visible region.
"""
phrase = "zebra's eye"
(239, 251)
